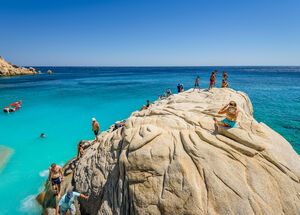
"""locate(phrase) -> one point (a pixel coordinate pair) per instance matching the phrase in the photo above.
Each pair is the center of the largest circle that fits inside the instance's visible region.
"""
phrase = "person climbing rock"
(56, 176)
(197, 85)
(80, 150)
(95, 128)
(231, 112)
(66, 203)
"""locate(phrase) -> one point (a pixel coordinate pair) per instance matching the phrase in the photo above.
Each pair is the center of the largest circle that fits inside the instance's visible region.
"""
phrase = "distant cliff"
(8, 69)
(169, 159)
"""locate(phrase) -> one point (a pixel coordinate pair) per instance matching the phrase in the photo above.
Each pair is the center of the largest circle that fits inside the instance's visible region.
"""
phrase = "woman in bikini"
(231, 112)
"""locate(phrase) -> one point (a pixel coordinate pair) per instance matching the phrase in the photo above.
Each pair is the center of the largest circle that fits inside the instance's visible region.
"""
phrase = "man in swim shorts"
(95, 128)
(56, 176)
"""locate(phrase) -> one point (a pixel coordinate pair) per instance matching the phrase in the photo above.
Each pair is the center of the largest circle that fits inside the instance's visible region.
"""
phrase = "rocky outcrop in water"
(169, 159)
(8, 69)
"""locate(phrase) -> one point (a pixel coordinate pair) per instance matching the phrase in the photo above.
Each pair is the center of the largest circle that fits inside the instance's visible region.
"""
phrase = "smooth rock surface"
(8, 69)
(169, 159)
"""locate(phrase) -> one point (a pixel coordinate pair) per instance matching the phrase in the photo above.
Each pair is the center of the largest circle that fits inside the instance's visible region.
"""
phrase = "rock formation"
(5, 154)
(8, 69)
(169, 159)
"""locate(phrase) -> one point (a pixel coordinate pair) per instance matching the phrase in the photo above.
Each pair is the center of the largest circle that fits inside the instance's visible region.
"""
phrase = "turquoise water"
(62, 105)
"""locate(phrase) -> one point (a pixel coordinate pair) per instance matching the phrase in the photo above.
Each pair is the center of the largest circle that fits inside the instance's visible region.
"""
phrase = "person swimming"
(231, 112)
(42, 135)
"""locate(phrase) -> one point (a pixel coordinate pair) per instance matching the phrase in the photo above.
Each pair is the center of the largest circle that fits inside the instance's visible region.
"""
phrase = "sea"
(62, 105)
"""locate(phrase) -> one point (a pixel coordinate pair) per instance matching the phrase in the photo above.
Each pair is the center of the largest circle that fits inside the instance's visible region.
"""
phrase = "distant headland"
(9, 69)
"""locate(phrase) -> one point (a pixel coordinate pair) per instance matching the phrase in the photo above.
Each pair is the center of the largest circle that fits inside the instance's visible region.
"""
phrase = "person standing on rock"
(56, 176)
(215, 78)
(211, 80)
(66, 203)
(225, 76)
(197, 85)
(95, 128)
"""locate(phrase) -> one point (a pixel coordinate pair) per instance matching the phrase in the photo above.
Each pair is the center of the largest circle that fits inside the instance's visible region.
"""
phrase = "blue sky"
(150, 33)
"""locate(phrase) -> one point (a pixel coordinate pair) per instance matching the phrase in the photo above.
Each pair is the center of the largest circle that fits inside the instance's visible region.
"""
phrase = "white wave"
(29, 205)
(44, 173)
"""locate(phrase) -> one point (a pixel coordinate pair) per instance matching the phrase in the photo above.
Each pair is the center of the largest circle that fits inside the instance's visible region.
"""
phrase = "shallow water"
(62, 105)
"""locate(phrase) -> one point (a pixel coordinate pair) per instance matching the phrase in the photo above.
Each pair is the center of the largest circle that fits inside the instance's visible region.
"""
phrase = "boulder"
(169, 159)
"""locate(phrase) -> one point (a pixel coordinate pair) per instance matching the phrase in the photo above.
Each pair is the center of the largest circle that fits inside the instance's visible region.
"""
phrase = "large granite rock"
(8, 69)
(169, 159)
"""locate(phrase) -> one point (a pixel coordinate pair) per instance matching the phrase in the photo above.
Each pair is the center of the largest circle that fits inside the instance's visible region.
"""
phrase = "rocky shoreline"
(170, 159)
(8, 69)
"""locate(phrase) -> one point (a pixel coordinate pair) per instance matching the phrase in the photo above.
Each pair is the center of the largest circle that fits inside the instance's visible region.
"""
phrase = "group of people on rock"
(213, 77)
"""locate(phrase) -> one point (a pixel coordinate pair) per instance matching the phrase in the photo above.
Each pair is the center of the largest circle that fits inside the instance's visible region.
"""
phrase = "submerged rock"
(169, 159)
(8, 69)
(5, 154)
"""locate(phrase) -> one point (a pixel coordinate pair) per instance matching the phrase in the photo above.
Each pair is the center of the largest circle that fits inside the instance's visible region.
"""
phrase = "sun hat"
(93, 119)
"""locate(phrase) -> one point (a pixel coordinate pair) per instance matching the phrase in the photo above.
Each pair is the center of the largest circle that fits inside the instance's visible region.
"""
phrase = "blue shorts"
(56, 181)
(229, 123)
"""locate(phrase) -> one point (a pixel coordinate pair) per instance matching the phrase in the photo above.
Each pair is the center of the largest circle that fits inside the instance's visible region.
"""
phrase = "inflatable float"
(13, 107)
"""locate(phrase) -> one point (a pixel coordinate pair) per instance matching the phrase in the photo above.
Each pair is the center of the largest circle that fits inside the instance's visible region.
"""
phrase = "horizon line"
(161, 66)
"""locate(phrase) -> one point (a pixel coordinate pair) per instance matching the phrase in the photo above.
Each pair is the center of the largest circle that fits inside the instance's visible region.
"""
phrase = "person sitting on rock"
(231, 112)
(95, 128)
(225, 83)
(168, 92)
(66, 203)
(145, 107)
(56, 176)
(197, 85)
(181, 88)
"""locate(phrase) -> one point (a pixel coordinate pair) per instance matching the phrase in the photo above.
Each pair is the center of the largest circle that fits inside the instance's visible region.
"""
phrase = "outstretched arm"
(223, 110)
(83, 196)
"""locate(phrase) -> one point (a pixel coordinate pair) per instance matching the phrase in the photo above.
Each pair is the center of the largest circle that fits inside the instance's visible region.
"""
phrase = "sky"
(150, 32)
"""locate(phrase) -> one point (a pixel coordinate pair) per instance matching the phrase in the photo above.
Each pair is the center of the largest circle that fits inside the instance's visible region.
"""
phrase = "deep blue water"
(62, 105)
